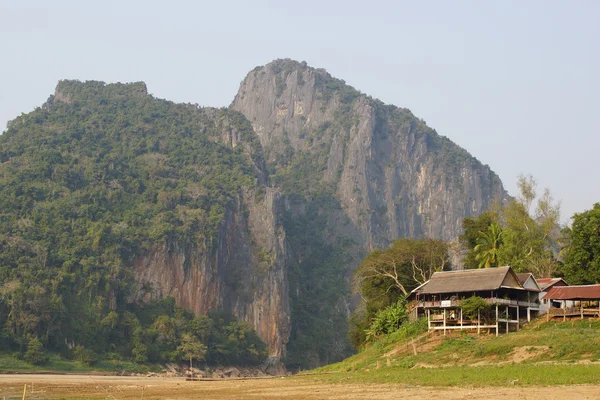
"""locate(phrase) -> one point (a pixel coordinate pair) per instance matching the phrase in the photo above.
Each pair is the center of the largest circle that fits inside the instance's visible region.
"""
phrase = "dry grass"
(299, 388)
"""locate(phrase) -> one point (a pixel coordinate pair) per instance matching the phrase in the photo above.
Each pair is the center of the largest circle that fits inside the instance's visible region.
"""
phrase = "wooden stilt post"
(497, 318)
(428, 319)
(518, 321)
(507, 318)
(444, 322)
(581, 306)
(461, 318)
(478, 321)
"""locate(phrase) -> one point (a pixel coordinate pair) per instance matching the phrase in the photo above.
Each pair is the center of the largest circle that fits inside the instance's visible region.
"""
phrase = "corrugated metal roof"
(470, 280)
(583, 292)
(547, 283)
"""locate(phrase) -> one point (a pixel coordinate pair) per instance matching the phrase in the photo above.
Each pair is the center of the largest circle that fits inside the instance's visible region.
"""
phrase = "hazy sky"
(516, 83)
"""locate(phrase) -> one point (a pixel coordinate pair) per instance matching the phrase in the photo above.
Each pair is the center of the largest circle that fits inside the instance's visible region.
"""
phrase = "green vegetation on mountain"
(96, 176)
(318, 290)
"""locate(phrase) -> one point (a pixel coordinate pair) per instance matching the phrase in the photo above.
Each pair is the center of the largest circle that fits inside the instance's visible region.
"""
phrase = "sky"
(515, 83)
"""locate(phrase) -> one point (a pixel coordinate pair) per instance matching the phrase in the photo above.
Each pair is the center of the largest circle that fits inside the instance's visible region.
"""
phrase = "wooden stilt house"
(440, 300)
(574, 302)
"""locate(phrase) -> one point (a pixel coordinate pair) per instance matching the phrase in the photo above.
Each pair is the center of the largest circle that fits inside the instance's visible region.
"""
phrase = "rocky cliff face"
(393, 175)
(356, 174)
(246, 273)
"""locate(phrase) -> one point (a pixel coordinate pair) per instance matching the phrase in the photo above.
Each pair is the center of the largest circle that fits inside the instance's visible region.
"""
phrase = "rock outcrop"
(245, 275)
(394, 176)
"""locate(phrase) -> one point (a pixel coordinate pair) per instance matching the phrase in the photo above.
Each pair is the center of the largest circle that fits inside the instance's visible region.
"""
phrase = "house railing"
(458, 303)
(573, 312)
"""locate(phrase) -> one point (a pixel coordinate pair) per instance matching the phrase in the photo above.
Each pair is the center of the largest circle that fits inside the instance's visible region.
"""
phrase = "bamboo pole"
(24, 391)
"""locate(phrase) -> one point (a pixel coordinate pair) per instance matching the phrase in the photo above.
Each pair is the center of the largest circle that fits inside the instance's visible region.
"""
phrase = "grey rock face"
(394, 176)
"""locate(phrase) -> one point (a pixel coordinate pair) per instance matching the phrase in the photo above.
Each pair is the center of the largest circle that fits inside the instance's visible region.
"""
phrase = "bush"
(475, 306)
(83, 355)
(35, 353)
(388, 320)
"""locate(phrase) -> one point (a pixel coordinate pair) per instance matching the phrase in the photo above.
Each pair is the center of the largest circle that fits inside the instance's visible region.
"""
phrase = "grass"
(11, 364)
(501, 375)
(544, 353)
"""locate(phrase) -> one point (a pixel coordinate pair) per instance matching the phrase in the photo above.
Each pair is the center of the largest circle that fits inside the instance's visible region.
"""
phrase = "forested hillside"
(93, 178)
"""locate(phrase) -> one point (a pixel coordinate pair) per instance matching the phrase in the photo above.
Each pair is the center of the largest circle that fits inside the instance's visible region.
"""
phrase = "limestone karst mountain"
(261, 210)
(356, 174)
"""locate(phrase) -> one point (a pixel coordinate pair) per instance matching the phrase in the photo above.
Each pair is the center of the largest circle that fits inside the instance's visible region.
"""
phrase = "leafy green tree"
(404, 265)
(513, 235)
(476, 307)
(35, 353)
(191, 348)
(488, 245)
(582, 252)
(472, 228)
(385, 276)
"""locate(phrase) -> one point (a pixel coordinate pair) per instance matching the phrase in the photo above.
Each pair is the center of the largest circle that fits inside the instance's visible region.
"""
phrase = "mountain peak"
(67, 90)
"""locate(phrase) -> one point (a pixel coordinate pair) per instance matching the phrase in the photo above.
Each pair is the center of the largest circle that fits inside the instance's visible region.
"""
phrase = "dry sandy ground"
(117, 388)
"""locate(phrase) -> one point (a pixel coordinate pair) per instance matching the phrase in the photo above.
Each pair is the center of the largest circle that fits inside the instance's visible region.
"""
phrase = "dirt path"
(117, 388)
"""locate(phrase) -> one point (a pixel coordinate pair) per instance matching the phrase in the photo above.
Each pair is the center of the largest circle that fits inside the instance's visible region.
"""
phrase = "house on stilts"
(512, 301)
(580, 301)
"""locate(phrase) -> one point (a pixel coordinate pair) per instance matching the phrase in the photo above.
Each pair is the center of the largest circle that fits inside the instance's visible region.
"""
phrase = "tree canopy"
(385, 276)
(582, 251)
(513, 235)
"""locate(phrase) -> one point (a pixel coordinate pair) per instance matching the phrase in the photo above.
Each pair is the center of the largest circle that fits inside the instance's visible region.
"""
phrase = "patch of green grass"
(502, 375)
(10, 363)
(451, 361)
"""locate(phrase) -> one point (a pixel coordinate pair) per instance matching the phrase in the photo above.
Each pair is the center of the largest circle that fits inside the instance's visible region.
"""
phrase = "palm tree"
(488, 244)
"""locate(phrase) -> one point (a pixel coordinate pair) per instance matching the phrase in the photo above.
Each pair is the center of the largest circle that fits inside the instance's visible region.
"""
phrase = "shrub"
(475, 306)
(83, 355)
(388, 320)
(35, 353)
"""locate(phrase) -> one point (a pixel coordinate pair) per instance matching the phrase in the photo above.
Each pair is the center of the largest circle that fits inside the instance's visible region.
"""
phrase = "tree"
(191, 348)
(582, 253)
(35, 353)
(476, 307)
(472, 228)
(385, 276)
(513, 235)
(488, 245)
(404, 265)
